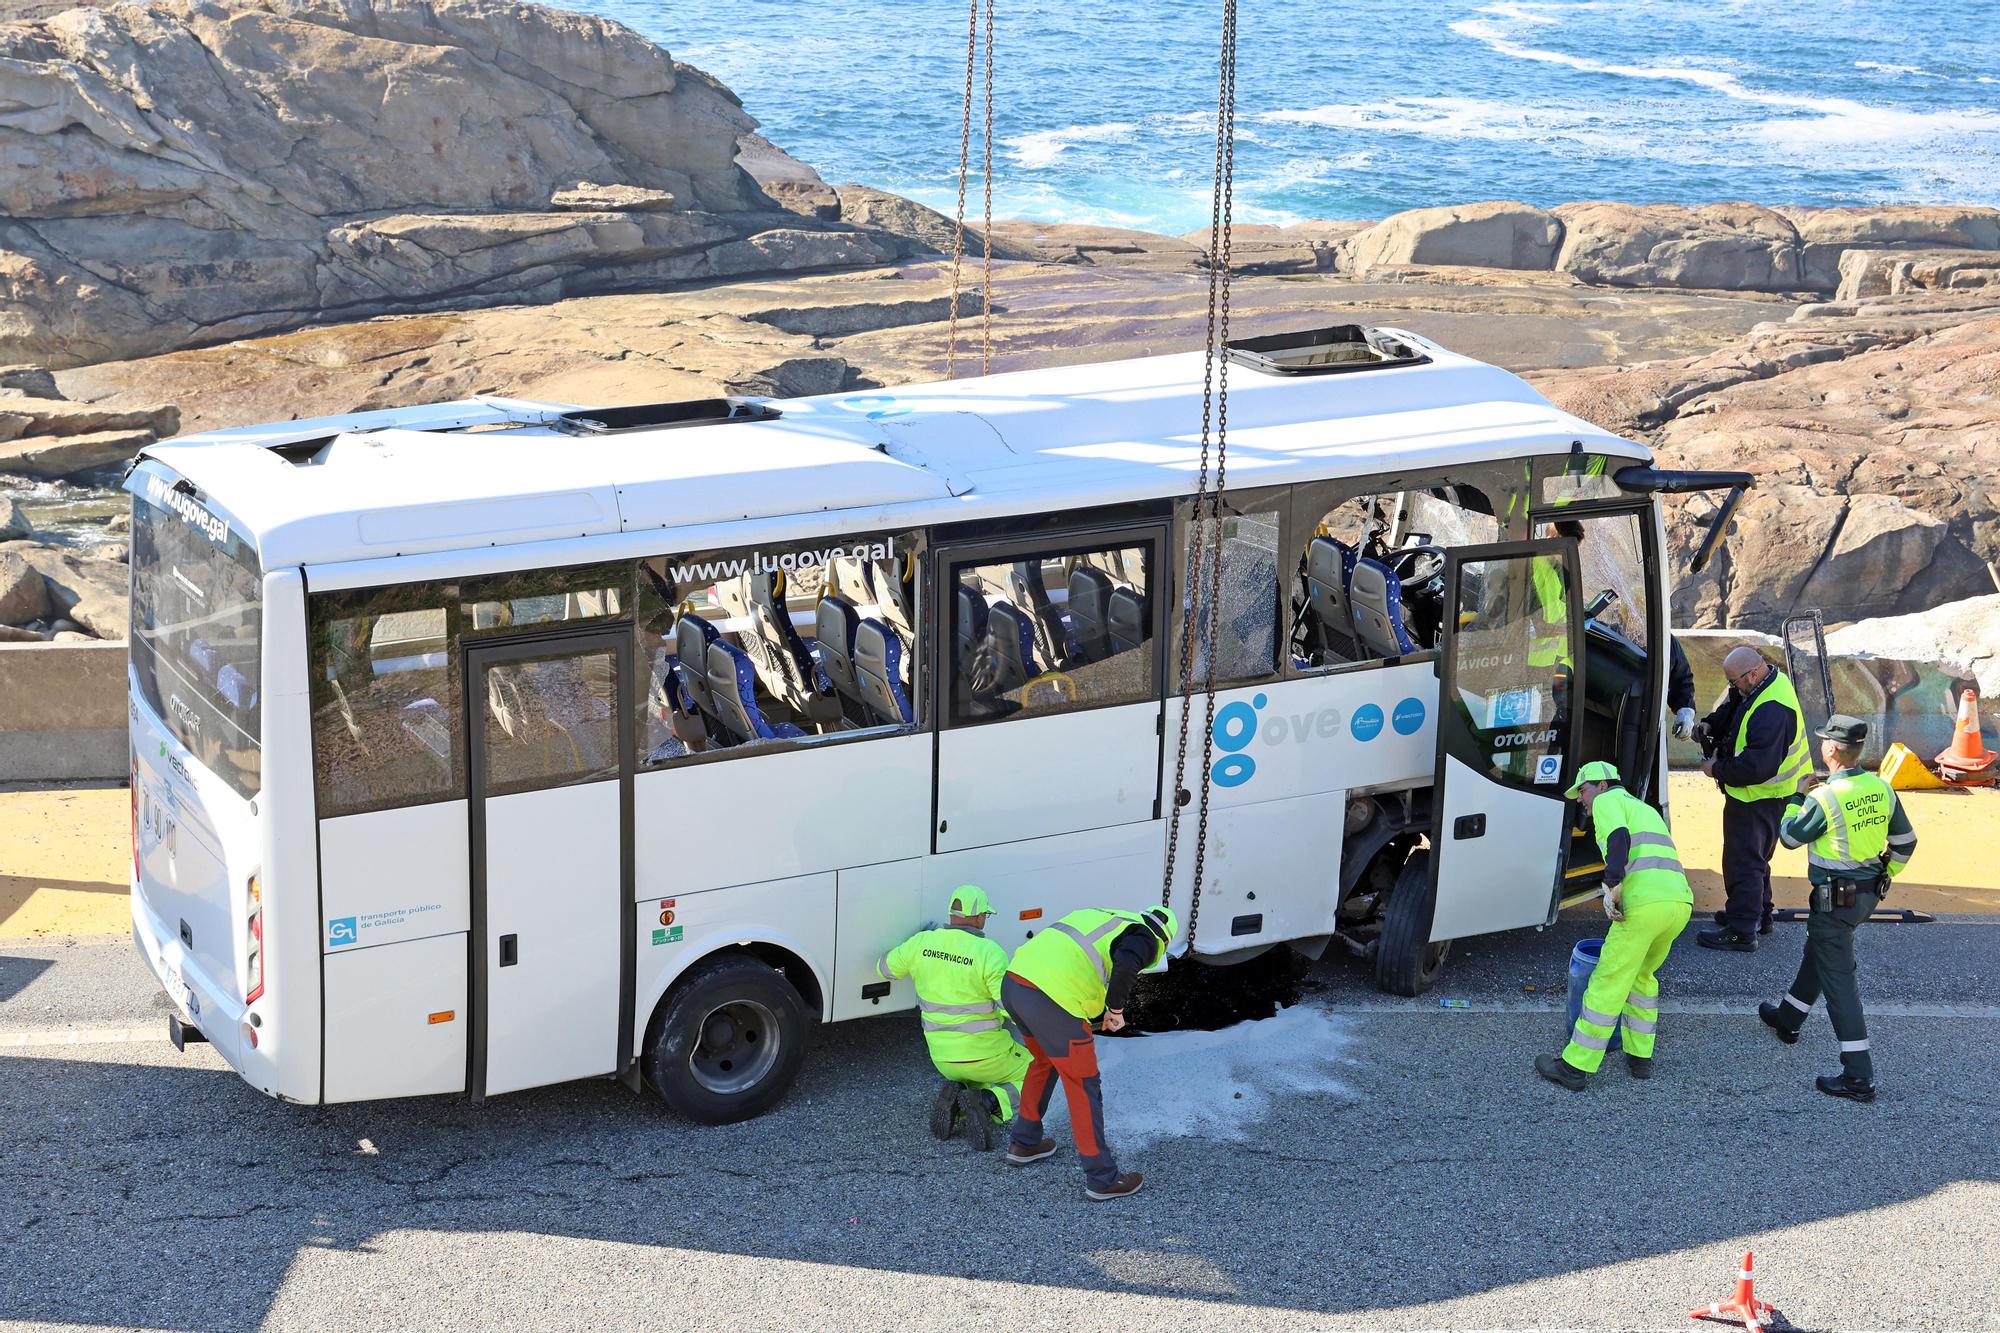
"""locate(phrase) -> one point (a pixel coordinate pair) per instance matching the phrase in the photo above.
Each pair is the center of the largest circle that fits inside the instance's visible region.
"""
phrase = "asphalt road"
(1435, 1182)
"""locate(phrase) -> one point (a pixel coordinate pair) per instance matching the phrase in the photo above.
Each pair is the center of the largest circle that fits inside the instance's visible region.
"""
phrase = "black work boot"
(1558, 1070)
(980, 1109)
(1763, 927)
(1639, 1066)
(1727, 938)
(1846, 1085)
(944, 1110)
(1773, 1016)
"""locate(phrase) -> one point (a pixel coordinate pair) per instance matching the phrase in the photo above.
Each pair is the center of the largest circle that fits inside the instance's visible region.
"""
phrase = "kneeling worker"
(957, 972)
(1857, 839)
(1647, 897)
(1083, 965)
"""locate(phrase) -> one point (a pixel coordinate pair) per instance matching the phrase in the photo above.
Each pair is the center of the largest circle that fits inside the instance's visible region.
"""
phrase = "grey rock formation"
(91, 592)
(1871, 435)
(1733, 247)
(1825, 234)
(1865, 273)
(27, 382)
(1494, 234)
(24, 596)
(171, 179)
(14, 521)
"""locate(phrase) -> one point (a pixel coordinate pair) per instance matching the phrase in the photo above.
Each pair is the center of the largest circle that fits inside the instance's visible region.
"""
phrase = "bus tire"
(727, 1041)
(1406, 962)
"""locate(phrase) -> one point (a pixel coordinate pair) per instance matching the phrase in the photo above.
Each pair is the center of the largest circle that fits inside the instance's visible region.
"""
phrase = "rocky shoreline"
(470, 197)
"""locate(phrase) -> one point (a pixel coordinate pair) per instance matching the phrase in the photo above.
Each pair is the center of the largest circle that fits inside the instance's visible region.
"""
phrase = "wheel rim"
(736, 1046)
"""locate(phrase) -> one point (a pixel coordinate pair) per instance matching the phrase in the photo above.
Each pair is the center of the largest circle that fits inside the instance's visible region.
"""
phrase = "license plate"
(181, 991)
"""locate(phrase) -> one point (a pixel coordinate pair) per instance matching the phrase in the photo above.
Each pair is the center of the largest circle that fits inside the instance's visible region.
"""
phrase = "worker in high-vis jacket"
(1757, 752)
(956, 971)
(1857, 840)
(1068, 974)
(1647, 897)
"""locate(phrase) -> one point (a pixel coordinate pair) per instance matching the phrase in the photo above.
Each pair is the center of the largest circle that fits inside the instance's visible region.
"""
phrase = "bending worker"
(1084, 965)
(1857, 839)
(957, 972)
(1647, 897)
(1759, 755)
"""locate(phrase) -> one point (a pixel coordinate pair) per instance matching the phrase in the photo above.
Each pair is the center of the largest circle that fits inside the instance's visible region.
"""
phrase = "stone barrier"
(62, 712)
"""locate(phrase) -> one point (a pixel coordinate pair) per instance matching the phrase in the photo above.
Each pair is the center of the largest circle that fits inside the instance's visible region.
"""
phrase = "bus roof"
(491, 472)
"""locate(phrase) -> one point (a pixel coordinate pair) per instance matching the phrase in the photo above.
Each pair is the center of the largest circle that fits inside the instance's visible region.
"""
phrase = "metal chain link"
(964, 163)
(986, 279)
(1204, 556)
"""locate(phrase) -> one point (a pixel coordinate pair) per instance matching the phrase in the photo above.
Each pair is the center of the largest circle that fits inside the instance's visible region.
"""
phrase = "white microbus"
(490, 744)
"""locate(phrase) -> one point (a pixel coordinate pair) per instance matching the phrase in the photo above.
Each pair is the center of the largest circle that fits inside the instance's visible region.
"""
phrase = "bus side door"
(1509, 706)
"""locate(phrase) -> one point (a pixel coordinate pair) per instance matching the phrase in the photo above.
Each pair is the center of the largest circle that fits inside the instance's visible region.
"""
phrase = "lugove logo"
(1235, 728)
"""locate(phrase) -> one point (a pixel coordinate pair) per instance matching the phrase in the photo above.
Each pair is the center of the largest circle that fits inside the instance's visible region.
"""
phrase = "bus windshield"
(197, 619)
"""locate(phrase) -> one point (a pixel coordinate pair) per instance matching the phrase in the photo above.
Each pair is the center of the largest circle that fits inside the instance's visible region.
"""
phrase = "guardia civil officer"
(1757, 749)
(1083, 966)
(956, 972)
(1857, 839)
(1647, 897)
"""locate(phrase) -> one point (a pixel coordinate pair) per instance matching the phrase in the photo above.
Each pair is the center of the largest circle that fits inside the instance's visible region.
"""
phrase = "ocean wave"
(1839, 119)
(1881, 68)
(1439, 117)
(1044, 148)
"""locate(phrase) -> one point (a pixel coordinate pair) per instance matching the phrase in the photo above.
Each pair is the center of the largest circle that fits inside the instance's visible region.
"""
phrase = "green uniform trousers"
(1626, 984)
(1828, 969)
(999, 1073)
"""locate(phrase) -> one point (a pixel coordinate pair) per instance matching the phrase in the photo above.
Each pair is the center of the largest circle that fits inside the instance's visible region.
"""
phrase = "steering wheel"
(1417, 564)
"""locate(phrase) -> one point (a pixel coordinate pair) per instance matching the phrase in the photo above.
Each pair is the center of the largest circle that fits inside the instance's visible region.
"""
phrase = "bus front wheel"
(728, 1041)
(1406, 962)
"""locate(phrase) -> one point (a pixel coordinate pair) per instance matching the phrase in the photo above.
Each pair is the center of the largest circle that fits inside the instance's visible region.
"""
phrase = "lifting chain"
(1204, 555)
(986, 174)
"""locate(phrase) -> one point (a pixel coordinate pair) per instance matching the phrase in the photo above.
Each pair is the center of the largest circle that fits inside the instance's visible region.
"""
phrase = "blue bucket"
(1582, 962)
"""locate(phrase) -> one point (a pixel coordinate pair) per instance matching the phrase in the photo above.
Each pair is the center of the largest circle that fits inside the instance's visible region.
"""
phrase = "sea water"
(1104, 108)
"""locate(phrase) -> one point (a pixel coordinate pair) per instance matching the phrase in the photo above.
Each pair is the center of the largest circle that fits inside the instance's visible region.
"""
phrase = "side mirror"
(1601, 603)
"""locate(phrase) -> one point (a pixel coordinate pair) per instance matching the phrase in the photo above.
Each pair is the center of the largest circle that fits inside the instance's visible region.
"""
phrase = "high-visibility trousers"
(1626, 984)
(999, 1073)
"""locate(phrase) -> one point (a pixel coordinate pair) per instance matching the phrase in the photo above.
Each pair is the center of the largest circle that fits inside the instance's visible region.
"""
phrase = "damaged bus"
(492, 744)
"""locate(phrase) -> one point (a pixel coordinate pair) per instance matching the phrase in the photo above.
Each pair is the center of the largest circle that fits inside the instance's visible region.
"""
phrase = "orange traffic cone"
(1967, 761)
(1743, 1306)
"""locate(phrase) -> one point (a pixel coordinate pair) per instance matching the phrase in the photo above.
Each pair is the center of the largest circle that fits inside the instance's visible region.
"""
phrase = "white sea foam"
(1439, 117)
(1214, 1085)
(1838, 119)
(1044, 148)
(1881, 68)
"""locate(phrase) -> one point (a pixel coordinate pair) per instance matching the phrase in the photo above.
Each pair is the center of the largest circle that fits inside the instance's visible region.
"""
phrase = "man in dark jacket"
(1757, 744)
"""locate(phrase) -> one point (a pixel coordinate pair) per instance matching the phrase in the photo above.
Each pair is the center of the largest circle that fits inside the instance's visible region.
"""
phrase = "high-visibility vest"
(1653, 870)
(1798, 759)
(1548, 645)
(1858, 807)
(956, 975)
(1070, 961)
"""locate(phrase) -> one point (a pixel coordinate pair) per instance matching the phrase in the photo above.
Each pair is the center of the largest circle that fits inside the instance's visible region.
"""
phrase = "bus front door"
(551, 723)
(1509, 706)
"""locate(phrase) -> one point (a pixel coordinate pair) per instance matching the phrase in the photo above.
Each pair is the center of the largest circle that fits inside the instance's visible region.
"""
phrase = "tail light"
(254, 945)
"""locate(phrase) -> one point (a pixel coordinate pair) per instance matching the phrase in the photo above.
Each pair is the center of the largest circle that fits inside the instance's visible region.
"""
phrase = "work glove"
(1613, 906)
(1684, 722)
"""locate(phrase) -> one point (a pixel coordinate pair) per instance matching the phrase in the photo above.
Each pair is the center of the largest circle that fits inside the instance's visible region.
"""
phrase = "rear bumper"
(196, 998)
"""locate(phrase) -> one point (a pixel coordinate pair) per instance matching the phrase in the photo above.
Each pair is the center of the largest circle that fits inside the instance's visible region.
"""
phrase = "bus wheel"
(1406, 962)
(728, 1041)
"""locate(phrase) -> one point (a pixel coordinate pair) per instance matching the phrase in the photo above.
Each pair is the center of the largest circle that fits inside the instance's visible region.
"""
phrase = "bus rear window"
(197, 625)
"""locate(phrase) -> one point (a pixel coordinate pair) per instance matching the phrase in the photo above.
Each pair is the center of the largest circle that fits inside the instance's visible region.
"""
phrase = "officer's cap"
(969, 900)
(1596, 771)
(1846, 729)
